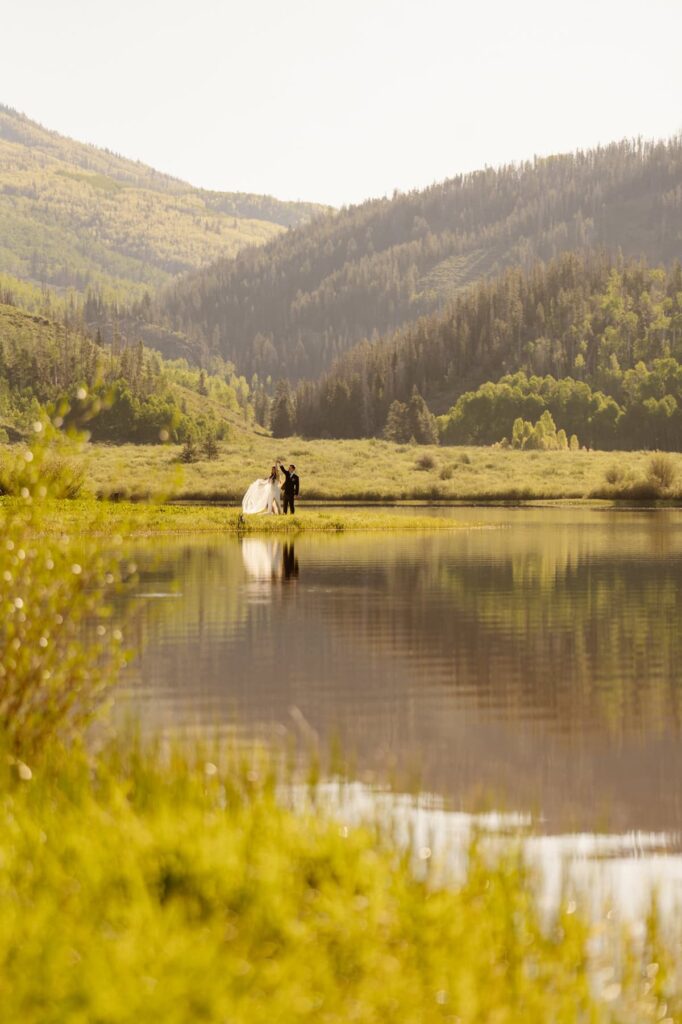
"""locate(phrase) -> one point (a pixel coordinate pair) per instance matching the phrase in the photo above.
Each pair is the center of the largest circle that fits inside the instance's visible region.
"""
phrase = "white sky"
(338, 100)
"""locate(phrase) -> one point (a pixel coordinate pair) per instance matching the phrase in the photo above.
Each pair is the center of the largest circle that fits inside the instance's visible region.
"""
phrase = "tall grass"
(90, 518)
(662, 471)
(176, 888)
(362, 470)
(58, 477)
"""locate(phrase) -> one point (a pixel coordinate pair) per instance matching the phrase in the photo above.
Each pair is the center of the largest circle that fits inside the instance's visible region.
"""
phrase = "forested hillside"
(609, 331)
(118, 393)
(72, 215)
(294, 306)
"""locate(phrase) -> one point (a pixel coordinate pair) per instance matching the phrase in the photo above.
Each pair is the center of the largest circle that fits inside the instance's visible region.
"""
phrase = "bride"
(263, 496)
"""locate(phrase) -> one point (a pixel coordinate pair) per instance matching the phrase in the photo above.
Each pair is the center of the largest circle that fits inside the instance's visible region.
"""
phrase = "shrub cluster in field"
(60, 476)
(542, 436)
(658, 481)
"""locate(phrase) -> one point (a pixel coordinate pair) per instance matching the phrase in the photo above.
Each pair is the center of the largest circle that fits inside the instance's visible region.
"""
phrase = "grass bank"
(141, 887)
(374, 470)
(102, 518)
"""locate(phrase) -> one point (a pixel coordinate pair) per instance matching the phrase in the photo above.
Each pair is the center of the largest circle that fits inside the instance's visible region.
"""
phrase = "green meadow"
(380, 471)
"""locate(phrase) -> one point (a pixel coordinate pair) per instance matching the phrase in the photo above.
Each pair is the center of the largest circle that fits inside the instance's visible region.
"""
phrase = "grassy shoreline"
(102, 518)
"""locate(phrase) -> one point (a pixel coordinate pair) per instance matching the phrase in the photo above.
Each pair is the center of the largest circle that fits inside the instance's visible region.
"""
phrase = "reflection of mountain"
(543, 661)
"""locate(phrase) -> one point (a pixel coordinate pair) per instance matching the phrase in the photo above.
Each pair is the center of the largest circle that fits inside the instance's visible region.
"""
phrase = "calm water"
(533, 665)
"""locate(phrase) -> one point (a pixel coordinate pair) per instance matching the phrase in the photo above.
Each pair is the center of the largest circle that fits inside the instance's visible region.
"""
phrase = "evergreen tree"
(282, 411)
(209, 446)
(411, 422)
(190, 450)
(397, 423)
(422, 423)
(261, 407)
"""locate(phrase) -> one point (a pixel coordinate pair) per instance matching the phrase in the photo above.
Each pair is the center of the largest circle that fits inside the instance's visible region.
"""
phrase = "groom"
(290, 488)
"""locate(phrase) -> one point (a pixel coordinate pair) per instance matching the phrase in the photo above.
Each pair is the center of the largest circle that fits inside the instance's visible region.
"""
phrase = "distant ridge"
(74, 215)
(294, 306)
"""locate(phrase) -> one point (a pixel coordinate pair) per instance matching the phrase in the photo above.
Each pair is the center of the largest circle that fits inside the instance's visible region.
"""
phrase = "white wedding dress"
(262, 496)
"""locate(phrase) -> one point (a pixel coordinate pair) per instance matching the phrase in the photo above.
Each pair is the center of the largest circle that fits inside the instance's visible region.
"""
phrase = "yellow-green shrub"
(58, 651)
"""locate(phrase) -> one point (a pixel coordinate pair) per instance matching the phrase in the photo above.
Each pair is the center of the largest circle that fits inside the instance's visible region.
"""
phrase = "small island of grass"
(98, 518)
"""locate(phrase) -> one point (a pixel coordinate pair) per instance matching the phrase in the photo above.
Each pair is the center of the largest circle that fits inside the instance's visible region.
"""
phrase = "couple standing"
(268, 495)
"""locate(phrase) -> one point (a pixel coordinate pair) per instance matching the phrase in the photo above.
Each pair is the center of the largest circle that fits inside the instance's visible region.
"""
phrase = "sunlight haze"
(335, 102)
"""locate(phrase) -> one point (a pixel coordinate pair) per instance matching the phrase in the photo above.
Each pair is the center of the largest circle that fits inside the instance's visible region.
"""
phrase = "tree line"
(646, 414)
(588, 317)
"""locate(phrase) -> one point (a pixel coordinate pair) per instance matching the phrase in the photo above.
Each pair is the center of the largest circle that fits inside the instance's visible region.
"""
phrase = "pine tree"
(282, 411)
(209, 446)
(190, 451)
(422, 422)
(397, 423)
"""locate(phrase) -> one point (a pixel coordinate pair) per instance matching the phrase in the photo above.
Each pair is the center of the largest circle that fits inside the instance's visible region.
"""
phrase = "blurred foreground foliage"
(59, 653)
(157, 886)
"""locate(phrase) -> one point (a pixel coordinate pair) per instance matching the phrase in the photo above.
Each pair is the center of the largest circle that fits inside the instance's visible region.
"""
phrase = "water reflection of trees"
(544, 664)
(199, 579)
(598, 638)
(572, 633)
(584, 634)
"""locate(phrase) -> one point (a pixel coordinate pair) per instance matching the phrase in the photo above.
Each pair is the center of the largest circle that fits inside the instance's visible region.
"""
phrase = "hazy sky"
(338, 100)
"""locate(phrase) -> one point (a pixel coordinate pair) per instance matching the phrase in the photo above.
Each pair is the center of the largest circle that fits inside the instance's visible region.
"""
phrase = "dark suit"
(290, 489)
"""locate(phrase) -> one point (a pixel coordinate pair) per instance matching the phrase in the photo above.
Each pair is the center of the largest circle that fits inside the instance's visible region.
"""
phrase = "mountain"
(293, 306)
(74, 216)
(595, 340)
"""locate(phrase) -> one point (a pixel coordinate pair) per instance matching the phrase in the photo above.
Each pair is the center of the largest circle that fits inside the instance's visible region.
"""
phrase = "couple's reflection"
(289, 562)
(270, 560)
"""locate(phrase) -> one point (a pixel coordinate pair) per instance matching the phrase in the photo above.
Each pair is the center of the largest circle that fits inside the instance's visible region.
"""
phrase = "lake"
(532, 664)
